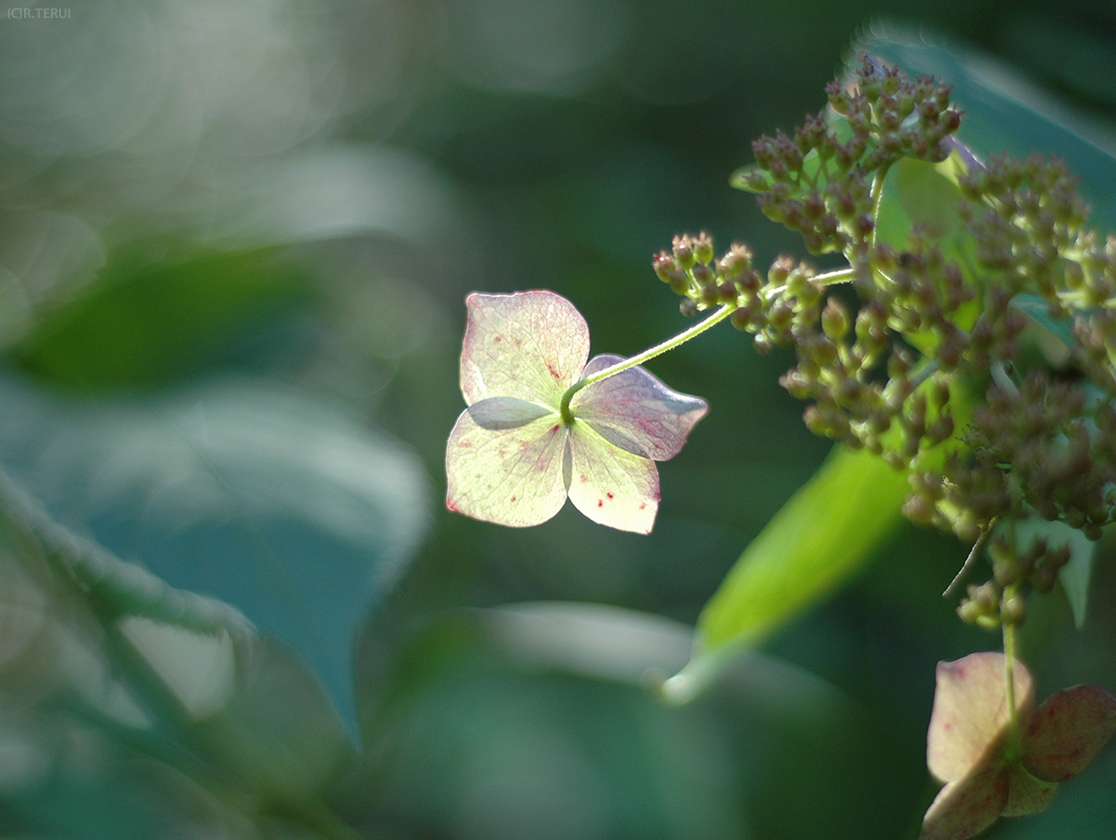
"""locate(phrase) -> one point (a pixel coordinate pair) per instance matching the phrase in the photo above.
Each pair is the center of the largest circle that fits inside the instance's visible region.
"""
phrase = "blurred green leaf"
(929, 194)
(823, 535)
(188, 702)
(290, 509)
(148, 319)
(1035, 308)
(508, 718)
(276, 732)
(1002, 110)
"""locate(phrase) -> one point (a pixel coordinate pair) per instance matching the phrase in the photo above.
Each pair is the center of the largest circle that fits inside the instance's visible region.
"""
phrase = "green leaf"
(524, 694)
(1035, 308)
(823, 535)
(1076, 574)
(150, 318)
(291, 510)
(929, 194)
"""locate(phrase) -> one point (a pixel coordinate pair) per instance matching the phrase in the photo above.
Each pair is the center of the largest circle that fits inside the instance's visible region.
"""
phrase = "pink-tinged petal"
(1026, 794)
(611, 486)
(529, 345)
(1068, 731)
(507, 473)
(965, 808)
(636, 411)
(971, 712)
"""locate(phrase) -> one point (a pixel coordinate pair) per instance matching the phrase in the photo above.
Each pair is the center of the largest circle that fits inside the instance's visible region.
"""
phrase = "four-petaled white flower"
(512, 458)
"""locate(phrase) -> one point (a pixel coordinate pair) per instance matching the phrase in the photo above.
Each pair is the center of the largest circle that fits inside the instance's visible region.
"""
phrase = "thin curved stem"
(646, 356)
(968, 561)
(876, 192)
(837, 275)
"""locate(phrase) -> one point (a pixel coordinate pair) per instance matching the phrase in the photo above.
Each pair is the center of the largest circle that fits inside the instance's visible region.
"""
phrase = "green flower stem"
(1014, 740)
(828, 278)
(876, 192)
(646, 356)
(126, 588)
(838, 275)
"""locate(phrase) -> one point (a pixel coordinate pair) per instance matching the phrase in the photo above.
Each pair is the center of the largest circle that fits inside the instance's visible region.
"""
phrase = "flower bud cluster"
(1037, 565)
(1024, 217)
(931, 339)
(1037, 448)
(988, 605)
(819, 186)
(1094, 351)
(1002, 600)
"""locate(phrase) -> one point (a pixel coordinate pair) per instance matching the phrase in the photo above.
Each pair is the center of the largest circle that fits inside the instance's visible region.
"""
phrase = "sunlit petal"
(530, 345)
(971, 713)
(612, 486)
(510, 476)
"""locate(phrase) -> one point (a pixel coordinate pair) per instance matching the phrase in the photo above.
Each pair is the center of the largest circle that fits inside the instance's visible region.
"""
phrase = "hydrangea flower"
(991, 770)
(514, 455)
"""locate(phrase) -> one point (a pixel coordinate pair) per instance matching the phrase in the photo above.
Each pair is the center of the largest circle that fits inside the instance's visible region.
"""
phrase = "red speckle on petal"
(553, 372)
(610, 496)
(643, 505)
(450, 505)
(556, 428)
(600, 503)
(583, 478)
(513, 499)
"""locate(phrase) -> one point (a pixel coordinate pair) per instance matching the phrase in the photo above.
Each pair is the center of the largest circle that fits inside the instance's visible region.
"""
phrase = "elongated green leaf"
(820, 538)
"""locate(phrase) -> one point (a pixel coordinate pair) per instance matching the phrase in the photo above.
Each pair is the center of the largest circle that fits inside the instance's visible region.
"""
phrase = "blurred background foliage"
(235, 241)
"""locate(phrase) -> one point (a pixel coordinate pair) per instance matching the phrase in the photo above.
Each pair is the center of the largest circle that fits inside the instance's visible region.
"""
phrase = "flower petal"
(636, 411)
(1067, 731)
(529, 345)
(1026, 794)
(507, 471)
(965, 808)
(970, 713)
(612, 486)
(506, 413)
